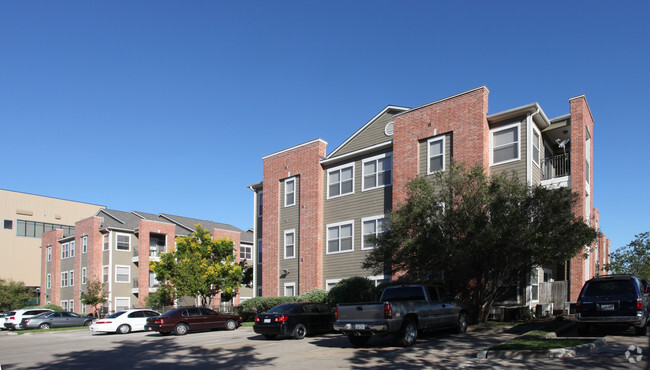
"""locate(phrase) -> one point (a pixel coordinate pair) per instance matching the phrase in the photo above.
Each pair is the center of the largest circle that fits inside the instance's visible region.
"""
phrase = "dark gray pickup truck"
(402, 311)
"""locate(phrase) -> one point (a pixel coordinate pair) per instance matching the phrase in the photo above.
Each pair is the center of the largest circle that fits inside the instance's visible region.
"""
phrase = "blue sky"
(169, 106)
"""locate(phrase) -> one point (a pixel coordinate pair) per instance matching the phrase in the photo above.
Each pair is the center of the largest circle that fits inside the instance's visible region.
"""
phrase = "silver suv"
(14, 318)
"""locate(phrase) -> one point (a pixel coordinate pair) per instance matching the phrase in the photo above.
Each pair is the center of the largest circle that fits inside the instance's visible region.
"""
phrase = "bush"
(354, 289)
(251, 307)
(315, 295)
(49, 306)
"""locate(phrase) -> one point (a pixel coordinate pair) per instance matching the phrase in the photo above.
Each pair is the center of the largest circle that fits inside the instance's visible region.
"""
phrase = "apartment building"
(25, 217)
(116, 247)
(314, 209)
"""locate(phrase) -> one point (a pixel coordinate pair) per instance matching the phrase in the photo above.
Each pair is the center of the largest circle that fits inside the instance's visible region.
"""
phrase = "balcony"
(556, 171)
(134, 287)
(155, 252)
(136, 257)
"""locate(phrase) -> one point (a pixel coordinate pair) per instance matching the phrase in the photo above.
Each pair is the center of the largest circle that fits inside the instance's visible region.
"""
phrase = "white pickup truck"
(402, 311)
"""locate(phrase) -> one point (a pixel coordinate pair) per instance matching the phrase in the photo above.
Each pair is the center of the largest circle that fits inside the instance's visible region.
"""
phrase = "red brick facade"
(145, 228)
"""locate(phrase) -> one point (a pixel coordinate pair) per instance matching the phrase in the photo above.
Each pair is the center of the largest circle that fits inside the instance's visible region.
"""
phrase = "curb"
(582, 349)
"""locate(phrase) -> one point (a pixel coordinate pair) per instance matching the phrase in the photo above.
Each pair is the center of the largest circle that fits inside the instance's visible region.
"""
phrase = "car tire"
(359, 340)
(123, 329)
(181, 329)
(299, 331)
(88, 322)
(231, 325)
(408, 334)
(269, 336)
(44, 326)
(643, 330)
(461, 325)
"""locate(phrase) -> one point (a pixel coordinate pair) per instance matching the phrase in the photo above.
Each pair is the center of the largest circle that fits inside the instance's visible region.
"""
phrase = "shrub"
(49, 306)
(353, 289)
(315, 295)
(251, 307)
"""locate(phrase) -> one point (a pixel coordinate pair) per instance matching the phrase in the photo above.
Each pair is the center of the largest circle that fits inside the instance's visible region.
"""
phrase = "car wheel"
(88, 322)
(123, 329)
(44, 326)
(299, 331)
(180, 329)
(408, 334)
(461, 325)
(231, 325)
(359, 340)
(643, 330)
(269, 336)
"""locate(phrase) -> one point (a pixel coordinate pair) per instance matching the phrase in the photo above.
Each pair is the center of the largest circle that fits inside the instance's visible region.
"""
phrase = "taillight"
(282, 318)
(103, 322)
(257, 319)
(639, 303)
(27, 320)
(578, 306)
(12, 318)
(336, 313)
(158, 321)
(388, 311)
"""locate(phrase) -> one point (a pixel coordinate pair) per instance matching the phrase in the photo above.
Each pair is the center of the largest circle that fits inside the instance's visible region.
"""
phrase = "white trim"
(48, 252)
(293, 285)
(376, 159)
(331, 281)
(106, 241)
(71, 278)
(72, 248)
(84, 275)
(377, 278)
(444, 154)
(363, 234)
(71, 305)
(65, 250)
(117, 243)
(122, 298)
(128, 267)
(106, 268)
(48, 281)
(340, 169)
(286, 181)
(539, 146)
(503, 128)
(84, 244)
(287, 232)
(64, 281)
(373, 148)
(338, 225)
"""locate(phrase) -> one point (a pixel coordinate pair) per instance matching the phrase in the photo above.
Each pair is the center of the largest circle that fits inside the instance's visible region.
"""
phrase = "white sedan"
(123, 322)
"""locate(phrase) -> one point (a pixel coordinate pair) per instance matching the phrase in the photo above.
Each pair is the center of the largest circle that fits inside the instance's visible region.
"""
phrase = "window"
(84, 275)
(260, 203)
(64, 305)
(105, 272)
(83, 308)
(122, 304)
(377, 171)
(34, 229)
(8, 224)
(71, 305)
(536, 146)
(122, 274)
(123, 242)
(436, 155)
(72, 248)
(290, 243)
(371, 226)
(84, 244)
(290, 192)
(505, 144)
(259, 291)
(339, 237)
(71, 277)
(48, 281)
(49, 253)
(534, 285)
(65, 250)
(289, 289)
(340, 181)
(259, 250)
(64, 279)
(106, 242)
(245, 252)
(329, 284)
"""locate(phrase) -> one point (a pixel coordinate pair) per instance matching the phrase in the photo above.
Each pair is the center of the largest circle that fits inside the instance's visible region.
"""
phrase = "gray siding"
(423, 153)
(289, 220)
(519, 167)
(371, 135)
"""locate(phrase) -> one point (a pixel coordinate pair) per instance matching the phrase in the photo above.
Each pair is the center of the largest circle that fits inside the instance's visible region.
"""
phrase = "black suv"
(612, 300)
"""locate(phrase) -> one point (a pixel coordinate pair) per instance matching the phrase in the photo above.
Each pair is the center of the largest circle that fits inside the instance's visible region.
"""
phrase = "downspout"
(529, 144)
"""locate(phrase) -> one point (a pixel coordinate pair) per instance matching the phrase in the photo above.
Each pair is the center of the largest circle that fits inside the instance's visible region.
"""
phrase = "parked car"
(295, 319)
(182, 320)
(3, 318)
(613, 300)
(123, 322)
(58, 319)
(14, 318)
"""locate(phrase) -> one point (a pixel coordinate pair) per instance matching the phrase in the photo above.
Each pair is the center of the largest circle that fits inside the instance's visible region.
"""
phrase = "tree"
(14, 295)
(633, 259)
(161, 298)
(200, 266)
(352, 289)
(94, 295)
(477, 234)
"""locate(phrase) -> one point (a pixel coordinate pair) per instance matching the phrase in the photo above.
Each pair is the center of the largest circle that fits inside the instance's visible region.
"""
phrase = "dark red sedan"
(182, 320)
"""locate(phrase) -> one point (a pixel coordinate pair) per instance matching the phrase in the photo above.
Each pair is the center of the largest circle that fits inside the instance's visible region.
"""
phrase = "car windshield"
(116, 314)
(283, 309)
(11, 313)
(609, 288)
(403, 294)
(171, 313)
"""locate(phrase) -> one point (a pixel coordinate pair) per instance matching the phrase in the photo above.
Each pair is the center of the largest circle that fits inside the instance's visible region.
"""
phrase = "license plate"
(267, 321)
(359, 326)
(607, 307)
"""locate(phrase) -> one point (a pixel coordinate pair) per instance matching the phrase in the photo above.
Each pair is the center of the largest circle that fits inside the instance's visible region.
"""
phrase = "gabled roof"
(533, 108)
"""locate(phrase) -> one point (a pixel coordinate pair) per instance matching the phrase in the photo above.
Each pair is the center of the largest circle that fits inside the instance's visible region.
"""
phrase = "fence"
(554, 292)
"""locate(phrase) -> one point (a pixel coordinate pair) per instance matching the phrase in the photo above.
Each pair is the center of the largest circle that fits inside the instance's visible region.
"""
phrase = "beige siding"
(372, 134)
(519, 167)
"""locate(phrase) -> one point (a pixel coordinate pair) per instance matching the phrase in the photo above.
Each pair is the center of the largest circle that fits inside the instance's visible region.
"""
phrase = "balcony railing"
(557, 166)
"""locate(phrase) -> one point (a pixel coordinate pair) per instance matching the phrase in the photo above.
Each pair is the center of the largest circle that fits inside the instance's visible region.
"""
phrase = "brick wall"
(146, 227)
(50, 239)
(88, 227)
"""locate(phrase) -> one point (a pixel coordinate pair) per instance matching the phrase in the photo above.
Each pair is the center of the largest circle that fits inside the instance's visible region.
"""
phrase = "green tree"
(352, 289)
(13, 295)
(95, 295)
(161, 298)
(200, 266)
(478, 234)
(633, 259)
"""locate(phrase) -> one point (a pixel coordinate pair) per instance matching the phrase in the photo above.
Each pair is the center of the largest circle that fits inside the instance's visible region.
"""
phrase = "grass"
(25, 331)
(248, 324)
(536, 340)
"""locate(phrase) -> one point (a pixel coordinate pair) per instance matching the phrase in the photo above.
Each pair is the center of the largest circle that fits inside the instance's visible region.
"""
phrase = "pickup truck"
(401, 311)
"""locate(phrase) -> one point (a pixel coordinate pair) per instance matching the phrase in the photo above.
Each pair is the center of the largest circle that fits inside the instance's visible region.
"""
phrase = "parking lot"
(243, 348)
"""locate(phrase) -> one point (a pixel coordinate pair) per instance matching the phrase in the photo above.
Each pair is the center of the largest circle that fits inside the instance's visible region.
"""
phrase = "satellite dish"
(562, 144)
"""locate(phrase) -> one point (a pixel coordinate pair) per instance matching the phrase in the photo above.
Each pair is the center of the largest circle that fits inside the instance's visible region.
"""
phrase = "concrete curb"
(582, 349)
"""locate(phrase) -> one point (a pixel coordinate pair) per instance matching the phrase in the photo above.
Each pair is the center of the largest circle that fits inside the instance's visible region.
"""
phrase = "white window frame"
(71, 278)
(293, 254)
(71, 305)
(340, 169)
(106, 242)
(117, 243)
(65, 250)
(331, 282)
(64, 279)
(84, 275)
(127, 299)
(376, 159)
(48, 281)
(84, 244)
(49, 253)
(83, 308)
(378, 230)
(64, 305)
(503, 128)
(536, 148)
(443, 154)
(128, 280)
(377, 279)
(338, 225)
(106, 274)
(247, 252)
(287, 181)
(72, 246)
(290, 285)
(259, 251)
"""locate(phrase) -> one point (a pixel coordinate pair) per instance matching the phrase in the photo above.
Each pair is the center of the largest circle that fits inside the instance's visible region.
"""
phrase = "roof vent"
(388, 130)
